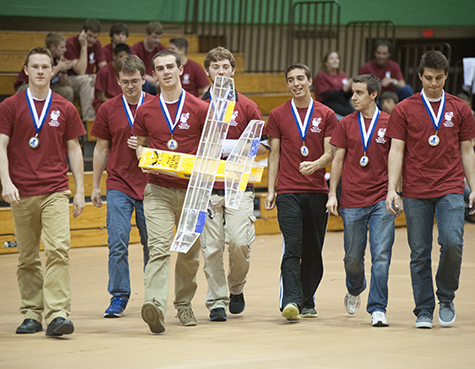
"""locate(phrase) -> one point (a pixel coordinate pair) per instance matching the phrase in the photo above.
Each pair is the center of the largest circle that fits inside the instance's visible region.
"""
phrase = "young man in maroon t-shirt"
(119, 33)
(125, 180)
(172, 121)
(299, 134)
(39, 131)
(193, 79)
(431, 136)
(232, 226)
(361, 160)
(85, 51)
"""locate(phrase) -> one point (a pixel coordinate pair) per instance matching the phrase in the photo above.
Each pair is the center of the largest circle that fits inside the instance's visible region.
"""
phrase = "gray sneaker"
(309, 313)
(424, 320)
(446, 314)
(352, 303)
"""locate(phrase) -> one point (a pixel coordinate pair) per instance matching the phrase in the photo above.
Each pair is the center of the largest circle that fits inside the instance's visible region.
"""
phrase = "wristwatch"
(395, 82)
(399, 193)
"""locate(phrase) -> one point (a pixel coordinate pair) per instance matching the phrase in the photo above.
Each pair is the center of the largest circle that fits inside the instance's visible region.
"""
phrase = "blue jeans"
(381, 238)
(119, 212)
(449, 213)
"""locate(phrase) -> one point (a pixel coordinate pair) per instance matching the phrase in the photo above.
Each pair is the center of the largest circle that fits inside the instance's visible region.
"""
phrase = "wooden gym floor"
(258, 338)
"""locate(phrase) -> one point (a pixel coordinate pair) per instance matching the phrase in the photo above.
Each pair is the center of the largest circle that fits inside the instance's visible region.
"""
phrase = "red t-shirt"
(390, 70)
(106, 81)
(326, 82)
(193, 78)
(108, 52)
(362, 186)
(123, 172)
(431, 171)
(42, 170)
(94, 54)
(150, 122)
(139, 50)
(281, 125)
(245, 110)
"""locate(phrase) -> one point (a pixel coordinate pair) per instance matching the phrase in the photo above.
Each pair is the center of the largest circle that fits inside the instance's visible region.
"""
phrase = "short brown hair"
(53, 38)
(305, 68)
(217, 54)
(181, 43)
(92, 25)
(40, 51)
(154, 27)
(433, 59)
(163, 53)
(372, 83)
(130, 64)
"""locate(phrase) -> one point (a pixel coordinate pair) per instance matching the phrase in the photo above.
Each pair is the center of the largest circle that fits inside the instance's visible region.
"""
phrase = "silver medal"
(364, 161)
(172, 144)
(304, 150)
(434, 140)
(34, 142)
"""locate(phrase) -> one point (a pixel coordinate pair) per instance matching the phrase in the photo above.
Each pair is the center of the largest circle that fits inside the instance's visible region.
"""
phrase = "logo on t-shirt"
(54, 118)
(381, 133)
(183, 121)
(233, 118)
(186, 79)
(315, 123)
(448, 119)
(91, 58)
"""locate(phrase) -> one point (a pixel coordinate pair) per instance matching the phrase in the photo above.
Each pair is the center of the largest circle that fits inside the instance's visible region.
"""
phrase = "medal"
(434, 140)
(38, 121)
(128, 112)
(364, 161)
(366, 135)
(34, 142)
(302, 127)
(172, 144)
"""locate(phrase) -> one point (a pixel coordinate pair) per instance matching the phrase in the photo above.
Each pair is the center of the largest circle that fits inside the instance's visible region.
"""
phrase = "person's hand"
(332, 205)
(307, 167)
(96, 197)
(471, 203)
(64, 65)
(385, 82)
(393, 203)
(132, 142)
(82, 38)
(10, 193)
(269, 201)
(92, 80)
(79, 203)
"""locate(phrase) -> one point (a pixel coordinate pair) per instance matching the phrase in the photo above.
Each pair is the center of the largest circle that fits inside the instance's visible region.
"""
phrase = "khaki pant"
(83, 87)
(162, 208)
(45, 216)
(65, 91)
(236, 228)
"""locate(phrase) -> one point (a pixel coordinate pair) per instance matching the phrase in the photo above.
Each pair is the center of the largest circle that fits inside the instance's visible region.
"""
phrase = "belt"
(221, 192)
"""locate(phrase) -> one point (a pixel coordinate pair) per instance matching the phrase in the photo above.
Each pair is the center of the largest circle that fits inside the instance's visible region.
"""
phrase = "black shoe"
(29, 326)
(60, 326)
(218, 315)
(236, 303)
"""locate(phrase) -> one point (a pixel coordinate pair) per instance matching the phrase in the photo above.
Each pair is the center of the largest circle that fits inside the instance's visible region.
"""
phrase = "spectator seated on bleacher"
(85, 51)
(332, 86)
(193, 78)
(388, 101)
(107, 86)
(119, 34)
(147, 48)
(56, 44)
(388, 71)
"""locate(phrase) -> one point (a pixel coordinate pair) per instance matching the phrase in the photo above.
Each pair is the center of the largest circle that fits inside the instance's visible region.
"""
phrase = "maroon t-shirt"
(150, 122)
(326, 82)
(106, 81)
(146, 56)
(390, 70)
(108, 52)
(42, 170)
(362, 186)
(281, 125)
(431, 171)
(111, 124)
(94, 54)
(193, 78)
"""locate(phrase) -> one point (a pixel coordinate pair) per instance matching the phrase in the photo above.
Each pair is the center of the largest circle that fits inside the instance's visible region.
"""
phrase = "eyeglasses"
(133, 82)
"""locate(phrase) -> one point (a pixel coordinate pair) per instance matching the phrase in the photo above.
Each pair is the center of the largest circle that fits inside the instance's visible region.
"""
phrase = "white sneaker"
(352, 303)
(379, 319)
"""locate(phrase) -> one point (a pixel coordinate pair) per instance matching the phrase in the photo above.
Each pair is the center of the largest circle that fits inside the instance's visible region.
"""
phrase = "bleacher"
(268, 90)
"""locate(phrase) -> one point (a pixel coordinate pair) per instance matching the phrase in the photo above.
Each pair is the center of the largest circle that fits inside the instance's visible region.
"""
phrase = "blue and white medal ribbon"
(128, 112)
(302, 127)
(172, 144)
(38, 122)
(366, 135)
(436, 120)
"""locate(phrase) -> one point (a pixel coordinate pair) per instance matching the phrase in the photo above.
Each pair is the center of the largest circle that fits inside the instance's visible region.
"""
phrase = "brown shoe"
(153, 316)
(186, 316)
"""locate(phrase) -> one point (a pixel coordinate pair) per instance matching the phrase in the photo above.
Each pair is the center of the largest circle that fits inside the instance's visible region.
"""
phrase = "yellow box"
(178, 164)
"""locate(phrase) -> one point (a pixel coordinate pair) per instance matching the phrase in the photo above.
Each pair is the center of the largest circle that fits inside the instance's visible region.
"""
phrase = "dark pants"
(303, 221)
